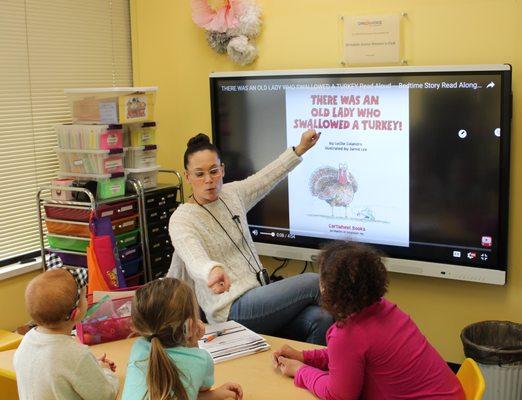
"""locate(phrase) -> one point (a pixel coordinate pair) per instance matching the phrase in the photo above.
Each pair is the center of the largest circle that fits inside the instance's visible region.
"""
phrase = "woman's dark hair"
(198, 143)
(352, 277)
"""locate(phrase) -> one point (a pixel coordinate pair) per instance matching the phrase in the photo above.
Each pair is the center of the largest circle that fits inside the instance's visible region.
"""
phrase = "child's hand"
(288, 352)
(229, 390)
(106, 363)
(200, 329)
(197, 331)
(289, 367)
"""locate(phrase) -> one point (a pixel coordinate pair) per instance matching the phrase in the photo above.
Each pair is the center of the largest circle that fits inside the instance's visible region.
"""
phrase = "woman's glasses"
(213, 173)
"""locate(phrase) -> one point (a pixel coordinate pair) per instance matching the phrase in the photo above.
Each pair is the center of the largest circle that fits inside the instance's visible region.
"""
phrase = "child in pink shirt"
(374, 350)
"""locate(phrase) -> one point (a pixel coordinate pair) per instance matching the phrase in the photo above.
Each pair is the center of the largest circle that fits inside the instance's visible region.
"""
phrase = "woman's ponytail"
(163, 377)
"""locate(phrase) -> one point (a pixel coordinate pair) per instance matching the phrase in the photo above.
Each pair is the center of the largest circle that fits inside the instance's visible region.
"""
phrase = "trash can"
(496, 346)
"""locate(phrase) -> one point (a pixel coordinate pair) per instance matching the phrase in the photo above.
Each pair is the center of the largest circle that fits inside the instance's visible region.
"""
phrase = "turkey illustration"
(335, 186)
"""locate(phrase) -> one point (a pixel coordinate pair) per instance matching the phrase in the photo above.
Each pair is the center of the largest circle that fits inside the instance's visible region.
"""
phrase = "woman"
(210, 234)
(375, 351)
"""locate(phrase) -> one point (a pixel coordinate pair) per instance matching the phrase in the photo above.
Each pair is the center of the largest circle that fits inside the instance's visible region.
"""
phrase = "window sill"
(10, 271)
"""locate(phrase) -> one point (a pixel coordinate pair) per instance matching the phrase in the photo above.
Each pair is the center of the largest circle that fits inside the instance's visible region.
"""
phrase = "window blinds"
(45, 47)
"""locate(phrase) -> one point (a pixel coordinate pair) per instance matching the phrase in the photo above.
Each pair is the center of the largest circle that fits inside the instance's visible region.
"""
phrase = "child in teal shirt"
(165, 362)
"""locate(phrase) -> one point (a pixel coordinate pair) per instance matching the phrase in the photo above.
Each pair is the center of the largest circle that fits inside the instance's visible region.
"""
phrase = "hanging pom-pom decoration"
(231, 26)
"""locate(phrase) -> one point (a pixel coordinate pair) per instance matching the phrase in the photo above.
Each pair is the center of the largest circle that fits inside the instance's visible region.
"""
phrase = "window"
(45, 47)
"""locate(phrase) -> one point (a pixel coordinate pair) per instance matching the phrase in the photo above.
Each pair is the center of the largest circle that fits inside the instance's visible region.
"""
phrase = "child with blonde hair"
(165, 362)
(49, 363)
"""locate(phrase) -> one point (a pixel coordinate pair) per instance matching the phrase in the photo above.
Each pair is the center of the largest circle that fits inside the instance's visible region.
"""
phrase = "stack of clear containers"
(92, 148)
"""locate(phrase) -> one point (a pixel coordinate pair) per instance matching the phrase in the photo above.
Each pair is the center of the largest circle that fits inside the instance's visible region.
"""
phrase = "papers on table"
(228, 340)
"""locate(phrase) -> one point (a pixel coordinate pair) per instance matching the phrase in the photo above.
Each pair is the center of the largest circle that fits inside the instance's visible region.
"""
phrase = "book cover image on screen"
(415, 162)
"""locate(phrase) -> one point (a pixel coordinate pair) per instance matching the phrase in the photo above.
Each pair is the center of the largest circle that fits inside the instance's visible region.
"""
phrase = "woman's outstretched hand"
(218, 280)
(308, 140)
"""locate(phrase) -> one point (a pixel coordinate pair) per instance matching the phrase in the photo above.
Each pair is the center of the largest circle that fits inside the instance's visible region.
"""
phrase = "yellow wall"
(12, 306)
(171, 52)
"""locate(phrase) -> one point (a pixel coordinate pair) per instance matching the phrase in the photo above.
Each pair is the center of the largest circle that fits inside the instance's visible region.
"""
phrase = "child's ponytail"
(161, 312)
(163, 377)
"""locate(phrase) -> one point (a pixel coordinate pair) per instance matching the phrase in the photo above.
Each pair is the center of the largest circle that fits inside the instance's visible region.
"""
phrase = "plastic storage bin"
(118, 105)
(131, 267)
(70, 213)
(67, 228)
(90, 161)
(126, 224)
(147, 176)
(89, 137)
(496, 346)
(108, 186)
(140, 157)
(140, 134)
(128, 239)
(130, 253)
(57, 194)
(73, 243)
(116, 210)
(71, 257)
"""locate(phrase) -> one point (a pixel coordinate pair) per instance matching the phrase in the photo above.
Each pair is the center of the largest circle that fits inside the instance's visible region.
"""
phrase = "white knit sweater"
(202, 244)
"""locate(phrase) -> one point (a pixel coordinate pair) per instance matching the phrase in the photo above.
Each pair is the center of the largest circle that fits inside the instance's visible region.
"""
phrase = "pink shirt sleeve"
(316, 358)
(346, 364)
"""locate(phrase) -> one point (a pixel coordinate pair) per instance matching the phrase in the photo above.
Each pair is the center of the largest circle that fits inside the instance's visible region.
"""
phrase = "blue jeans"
(287, 308)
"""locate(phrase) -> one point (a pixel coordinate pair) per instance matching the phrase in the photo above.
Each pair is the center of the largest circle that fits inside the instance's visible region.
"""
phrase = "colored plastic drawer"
(71, 258)
(68, 243)
(126, 224)
(132, 267)
(118, 210)
(70, 213)
(130, 253)
(127, 239)
(67, 228)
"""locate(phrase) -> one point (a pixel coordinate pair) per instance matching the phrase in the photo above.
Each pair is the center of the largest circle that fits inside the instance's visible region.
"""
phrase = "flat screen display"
(414, 161)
